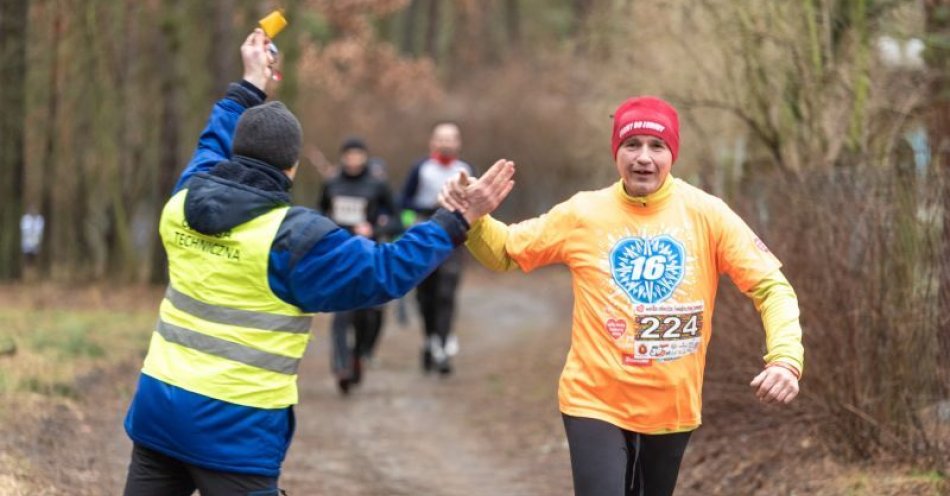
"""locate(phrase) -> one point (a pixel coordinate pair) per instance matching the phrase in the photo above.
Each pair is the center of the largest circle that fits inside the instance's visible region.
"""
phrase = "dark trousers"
(609, 461)
(153, 474)
(436, 295)
(366, 325)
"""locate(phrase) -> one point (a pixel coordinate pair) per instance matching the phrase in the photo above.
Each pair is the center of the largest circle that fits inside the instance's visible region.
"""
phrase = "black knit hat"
(353, 142)
(269, 132)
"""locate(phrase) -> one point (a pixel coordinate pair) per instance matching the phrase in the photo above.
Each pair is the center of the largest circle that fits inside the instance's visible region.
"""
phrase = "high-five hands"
(258, 59)
(474, 198)
(775, 384)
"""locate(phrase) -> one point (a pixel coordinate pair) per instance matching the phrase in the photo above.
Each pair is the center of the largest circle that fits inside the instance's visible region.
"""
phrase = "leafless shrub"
(860, 245)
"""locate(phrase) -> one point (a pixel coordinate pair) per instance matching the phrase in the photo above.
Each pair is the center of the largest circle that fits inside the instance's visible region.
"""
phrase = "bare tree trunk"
(487, 33)
(432, 30)
(170, 48)
(938, 59)
(83, 251)
(862, 79)
(222, 54)
(13, 18)
(289, 43)
(49, 156)
(409, 33)
(513, 22)
(121, 252)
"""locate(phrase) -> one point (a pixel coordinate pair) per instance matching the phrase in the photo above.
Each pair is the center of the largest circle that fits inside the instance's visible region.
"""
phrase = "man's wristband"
(798, 374)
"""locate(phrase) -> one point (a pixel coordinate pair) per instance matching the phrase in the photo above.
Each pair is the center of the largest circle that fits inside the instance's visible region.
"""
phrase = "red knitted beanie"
(646, 115)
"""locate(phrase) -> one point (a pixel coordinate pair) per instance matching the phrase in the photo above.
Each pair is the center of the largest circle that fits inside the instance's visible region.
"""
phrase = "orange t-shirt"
(644, 277)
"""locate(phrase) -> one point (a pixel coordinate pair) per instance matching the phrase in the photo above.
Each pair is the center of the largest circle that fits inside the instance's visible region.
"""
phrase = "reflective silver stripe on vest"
(236, 317)
(226, 349)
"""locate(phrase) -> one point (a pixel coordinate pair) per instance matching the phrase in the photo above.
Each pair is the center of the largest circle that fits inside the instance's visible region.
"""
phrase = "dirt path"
(403, 432)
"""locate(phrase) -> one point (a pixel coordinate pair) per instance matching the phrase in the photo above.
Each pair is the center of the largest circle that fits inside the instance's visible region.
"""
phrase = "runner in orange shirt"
(645, 255)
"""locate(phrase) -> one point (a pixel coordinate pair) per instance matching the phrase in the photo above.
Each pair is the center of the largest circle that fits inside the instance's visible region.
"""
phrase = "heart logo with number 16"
(648, 269)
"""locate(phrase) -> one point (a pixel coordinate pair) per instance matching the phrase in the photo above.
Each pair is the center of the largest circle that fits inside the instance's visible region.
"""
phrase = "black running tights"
(609, 461)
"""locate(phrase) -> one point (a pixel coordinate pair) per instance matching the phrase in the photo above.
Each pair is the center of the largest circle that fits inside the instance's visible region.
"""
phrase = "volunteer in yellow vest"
(645, 255)
(213, 410)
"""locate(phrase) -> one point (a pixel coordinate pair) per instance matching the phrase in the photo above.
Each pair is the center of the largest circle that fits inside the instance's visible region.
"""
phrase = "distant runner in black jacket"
(359, 200)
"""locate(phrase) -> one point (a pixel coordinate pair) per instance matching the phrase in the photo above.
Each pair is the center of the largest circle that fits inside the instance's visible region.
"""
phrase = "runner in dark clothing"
(362, 203)
(436, 294)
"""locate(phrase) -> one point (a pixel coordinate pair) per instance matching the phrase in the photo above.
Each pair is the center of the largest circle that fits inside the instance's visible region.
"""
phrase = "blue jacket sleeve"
(319, 267)
(214, 144)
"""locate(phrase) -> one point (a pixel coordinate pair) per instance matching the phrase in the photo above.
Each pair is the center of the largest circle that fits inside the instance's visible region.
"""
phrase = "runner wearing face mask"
(436, 294)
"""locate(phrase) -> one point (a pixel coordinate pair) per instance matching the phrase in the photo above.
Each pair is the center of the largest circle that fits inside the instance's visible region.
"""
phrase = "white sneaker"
(436, 349)
(452, 346)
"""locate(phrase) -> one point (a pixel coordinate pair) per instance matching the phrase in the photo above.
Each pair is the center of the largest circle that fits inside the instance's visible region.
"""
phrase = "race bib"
(349, 210)
(665, 332)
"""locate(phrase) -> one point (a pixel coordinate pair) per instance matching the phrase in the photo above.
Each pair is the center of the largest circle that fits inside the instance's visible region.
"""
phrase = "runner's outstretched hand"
(258, 61)
(452, 196)
(475, 198)
(775, 384)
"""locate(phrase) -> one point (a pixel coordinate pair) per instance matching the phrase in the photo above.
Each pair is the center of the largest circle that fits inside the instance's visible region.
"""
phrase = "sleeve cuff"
(453, 223)
(246, 94)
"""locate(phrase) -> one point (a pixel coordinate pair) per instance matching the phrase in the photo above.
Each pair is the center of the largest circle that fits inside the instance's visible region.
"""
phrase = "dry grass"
(59, 342)
(62, 335)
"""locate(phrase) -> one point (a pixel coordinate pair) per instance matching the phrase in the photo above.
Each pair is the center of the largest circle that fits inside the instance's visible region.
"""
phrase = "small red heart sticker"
(616, 327)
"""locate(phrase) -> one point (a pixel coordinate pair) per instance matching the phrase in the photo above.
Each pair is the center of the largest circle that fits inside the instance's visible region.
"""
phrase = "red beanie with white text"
(647, 115)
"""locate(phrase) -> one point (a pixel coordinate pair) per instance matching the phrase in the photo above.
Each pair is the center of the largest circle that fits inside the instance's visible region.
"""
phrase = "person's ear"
(292, 172)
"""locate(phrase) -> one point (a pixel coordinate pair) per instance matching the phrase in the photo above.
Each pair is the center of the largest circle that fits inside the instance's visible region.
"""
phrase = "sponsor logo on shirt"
(648, 269)
(629, 359)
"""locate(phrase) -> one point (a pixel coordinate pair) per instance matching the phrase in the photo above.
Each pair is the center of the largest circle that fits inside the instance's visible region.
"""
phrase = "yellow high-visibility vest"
(222, 332)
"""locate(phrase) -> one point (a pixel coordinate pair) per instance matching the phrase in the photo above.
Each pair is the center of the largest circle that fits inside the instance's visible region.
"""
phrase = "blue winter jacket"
(313, 265)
